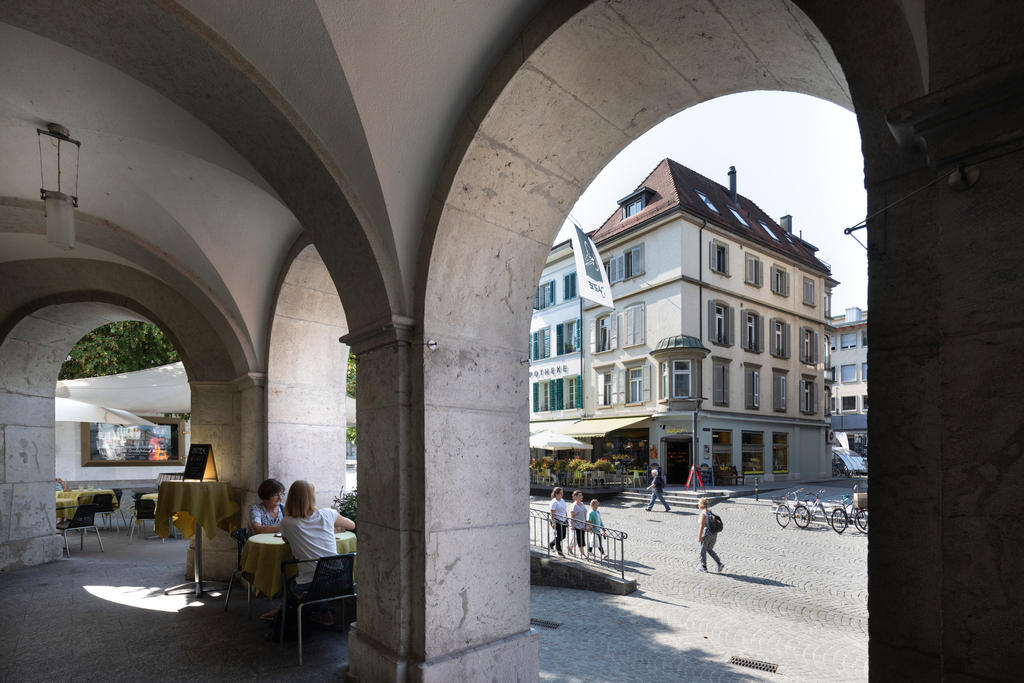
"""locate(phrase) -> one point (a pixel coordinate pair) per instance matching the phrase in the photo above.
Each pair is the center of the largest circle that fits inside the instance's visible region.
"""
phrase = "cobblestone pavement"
(792, 597)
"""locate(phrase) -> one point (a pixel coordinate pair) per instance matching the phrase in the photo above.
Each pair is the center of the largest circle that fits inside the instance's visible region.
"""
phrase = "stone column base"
(220, 557)
(514, 658)
(28, 552)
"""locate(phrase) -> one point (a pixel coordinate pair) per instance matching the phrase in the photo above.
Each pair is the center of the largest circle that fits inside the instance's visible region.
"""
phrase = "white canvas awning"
(70, 410)
(155, 391)
(552, 441)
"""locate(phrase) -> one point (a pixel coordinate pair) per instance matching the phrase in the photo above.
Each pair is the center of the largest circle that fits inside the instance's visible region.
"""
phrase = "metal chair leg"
(99, 538)
(299, 611)
(227, 598)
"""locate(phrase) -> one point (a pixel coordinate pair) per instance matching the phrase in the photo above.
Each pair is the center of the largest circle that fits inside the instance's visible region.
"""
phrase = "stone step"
(684, 499)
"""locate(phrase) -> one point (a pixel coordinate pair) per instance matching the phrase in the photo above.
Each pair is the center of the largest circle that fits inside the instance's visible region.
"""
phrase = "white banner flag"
(590, 273)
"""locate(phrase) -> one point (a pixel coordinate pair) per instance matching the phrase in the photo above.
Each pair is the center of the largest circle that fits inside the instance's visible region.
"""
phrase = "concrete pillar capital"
(965, 122)
(386, 332)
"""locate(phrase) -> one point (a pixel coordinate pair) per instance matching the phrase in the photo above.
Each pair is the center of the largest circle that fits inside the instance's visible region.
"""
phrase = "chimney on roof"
(732, 183)
(787, 223)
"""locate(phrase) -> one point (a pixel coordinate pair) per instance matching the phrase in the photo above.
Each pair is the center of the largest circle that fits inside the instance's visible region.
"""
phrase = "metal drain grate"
(755, 664)
(544, 623)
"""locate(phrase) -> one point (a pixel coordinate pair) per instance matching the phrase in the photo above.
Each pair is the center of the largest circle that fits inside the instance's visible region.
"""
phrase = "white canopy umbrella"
(156, 391)
(70, 410)
(553, 441)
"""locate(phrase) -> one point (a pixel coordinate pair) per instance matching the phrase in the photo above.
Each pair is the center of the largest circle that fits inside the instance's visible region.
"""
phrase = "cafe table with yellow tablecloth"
(68, 501)
(209, 502)
(263, 554)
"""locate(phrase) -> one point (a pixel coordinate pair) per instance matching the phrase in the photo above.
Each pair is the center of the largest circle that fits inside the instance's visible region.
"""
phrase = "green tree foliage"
(350, 376)
(123, 346)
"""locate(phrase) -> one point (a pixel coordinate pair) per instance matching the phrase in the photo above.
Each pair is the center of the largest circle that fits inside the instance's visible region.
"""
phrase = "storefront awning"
(602, 425)
(557, 426)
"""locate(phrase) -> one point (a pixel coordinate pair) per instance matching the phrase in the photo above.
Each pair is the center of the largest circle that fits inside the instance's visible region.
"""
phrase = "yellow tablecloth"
(210, 502)
(70, 500)
(263, 554)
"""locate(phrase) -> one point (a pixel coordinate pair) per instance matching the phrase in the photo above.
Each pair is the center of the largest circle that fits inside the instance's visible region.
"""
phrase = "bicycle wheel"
(782, 516)
(802, 516)
(861, 520)
(839, 520)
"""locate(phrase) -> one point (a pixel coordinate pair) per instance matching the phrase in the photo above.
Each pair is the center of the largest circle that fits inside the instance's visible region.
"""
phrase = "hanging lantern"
(58, 178)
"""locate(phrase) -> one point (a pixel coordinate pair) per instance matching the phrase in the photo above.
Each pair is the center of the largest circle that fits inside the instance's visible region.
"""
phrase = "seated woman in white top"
(310, 532)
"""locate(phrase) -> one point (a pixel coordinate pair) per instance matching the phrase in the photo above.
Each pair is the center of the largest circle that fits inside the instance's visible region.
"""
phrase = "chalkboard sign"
(200, 466)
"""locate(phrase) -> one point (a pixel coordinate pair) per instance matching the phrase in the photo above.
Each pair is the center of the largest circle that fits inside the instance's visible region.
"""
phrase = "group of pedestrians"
(584, 522)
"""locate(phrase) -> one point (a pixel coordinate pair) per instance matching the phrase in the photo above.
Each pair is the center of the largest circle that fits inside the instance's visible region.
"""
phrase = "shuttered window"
(779, 392)
(720, 323)
(720, 379)
(752, 381)
(753, 272)
(633, 322)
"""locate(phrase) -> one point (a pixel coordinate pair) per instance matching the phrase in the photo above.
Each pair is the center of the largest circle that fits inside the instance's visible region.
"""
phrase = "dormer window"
(635, 202)
(707, 202)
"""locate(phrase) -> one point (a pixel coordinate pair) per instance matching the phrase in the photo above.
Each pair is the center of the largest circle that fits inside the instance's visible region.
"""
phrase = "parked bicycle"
(849, 512)
(784, 506)
(812, 511)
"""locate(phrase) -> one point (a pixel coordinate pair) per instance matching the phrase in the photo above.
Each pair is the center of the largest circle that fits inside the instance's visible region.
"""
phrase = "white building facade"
(556, 344)
(849, 367)
(714, 354)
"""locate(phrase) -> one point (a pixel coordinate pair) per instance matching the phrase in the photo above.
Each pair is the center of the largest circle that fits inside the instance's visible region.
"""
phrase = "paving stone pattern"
(793, 597)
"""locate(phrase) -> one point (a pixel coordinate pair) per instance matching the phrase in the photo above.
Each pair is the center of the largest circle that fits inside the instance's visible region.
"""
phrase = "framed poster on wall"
(136, 445)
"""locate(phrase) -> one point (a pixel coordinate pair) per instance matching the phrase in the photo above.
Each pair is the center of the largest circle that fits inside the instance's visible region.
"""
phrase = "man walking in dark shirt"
(657, 489)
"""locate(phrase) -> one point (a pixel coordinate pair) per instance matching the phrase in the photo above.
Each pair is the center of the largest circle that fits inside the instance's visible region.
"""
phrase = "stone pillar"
(231, 417)
(947, 445)
(306, 381)
(444, 567)
(30, 359)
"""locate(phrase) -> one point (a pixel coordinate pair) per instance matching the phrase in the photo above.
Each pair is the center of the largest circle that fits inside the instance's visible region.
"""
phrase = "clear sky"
(794, 154)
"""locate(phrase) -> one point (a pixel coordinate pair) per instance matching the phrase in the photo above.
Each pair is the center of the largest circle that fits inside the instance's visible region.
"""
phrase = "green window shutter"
(579, 391)
(559, 387)
(559, 336)
(536, 395)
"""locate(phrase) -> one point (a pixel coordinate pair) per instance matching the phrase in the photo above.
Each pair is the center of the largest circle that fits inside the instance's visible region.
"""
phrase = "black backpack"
(714, 523)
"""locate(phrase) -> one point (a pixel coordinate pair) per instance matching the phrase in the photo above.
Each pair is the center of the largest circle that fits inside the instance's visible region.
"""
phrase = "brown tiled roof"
(673, 186)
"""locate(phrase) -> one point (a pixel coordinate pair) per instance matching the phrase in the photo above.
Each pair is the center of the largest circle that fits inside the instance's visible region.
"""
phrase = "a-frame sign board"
(200, 465)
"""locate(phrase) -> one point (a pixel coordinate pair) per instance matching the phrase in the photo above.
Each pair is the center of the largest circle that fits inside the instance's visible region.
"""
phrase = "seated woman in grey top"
(265, 516)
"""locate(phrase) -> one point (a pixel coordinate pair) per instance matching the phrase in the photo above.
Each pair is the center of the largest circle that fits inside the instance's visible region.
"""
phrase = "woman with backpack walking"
(706, 537)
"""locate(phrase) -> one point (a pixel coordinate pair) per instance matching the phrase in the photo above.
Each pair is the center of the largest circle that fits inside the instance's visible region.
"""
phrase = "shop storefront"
(623, 440)
(770, 451)
(674, 444)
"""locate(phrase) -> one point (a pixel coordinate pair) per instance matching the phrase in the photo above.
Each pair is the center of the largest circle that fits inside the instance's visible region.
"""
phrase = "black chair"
(84, 519)
(144, 509)
(241, 535)
(104, 503)
(333, 579)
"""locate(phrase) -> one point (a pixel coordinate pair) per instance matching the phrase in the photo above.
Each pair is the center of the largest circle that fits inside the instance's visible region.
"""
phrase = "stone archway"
(40, 320)
(306, 377)
(578, 85)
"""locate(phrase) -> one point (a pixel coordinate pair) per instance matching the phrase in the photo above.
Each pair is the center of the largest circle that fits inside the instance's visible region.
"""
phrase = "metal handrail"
(542, 535)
